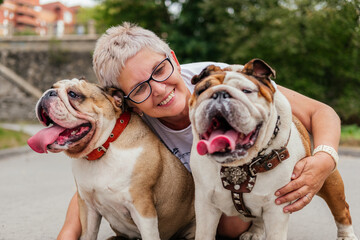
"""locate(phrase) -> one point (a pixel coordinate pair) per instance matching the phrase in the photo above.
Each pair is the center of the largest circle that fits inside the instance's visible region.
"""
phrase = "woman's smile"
(168, 98)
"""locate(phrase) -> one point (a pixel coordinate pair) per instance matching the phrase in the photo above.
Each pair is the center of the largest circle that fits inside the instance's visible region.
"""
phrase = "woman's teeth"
(171, 95)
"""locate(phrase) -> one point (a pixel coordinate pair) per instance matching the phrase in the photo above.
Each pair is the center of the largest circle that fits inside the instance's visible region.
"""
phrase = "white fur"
(345, 232)
(104, 185)
(247, 109)
(212, 199)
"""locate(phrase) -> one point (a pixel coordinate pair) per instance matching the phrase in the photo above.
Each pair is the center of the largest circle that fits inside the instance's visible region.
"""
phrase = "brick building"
(64, 22)
(29, 17)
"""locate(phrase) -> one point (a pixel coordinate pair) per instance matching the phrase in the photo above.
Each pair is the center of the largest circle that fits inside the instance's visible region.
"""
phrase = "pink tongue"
(47, 136)
(217, 142)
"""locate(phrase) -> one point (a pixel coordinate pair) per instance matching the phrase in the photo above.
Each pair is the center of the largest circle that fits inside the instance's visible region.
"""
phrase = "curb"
(349, 151)
(14, 151)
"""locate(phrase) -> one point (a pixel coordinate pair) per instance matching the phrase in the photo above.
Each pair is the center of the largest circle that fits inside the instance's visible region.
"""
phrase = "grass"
(11, 139)
(350, 136)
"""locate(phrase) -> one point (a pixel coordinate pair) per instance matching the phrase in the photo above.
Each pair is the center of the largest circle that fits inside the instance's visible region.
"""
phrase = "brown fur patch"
(145, 175)
(305, 138)
(261, 71)
(160, 185)
(333, 193)
(264, 90)
(147, 167)
(204, 84)
(209, 70)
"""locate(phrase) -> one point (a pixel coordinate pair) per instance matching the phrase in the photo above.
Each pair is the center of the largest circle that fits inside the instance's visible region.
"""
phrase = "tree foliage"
(312, 44)
(150, 14)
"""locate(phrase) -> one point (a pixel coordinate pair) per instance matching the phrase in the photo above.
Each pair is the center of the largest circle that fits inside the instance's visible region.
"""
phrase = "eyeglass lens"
(162, 72)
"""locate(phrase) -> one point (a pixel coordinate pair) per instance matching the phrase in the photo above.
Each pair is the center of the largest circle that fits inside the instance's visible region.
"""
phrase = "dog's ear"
(116, 97)
(209, 70)
(259, 69)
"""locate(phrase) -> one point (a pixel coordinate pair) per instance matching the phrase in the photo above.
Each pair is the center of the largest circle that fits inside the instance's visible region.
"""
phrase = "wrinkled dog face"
(229, 110)
(76, 112)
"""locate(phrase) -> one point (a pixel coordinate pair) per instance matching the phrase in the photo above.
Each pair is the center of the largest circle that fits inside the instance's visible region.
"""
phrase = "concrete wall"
(40, 63)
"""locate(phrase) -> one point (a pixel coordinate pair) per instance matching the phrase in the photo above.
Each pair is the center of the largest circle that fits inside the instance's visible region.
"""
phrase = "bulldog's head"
(232, 111)
(78, 115)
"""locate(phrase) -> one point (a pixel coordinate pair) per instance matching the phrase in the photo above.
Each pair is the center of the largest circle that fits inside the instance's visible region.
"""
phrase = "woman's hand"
(310, 173)
(308, 177)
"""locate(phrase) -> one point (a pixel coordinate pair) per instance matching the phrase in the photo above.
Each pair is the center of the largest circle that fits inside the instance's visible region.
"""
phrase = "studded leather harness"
(241, 179)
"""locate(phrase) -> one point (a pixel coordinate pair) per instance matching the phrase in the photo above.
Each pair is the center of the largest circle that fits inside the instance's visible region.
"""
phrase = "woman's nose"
(158, 88)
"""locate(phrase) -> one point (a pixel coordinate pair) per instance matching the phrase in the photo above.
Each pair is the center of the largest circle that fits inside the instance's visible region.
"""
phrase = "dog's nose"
(221, 95)
(51, 93)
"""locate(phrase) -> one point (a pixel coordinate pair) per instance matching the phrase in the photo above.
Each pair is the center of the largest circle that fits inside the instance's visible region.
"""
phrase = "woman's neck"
(178, 122)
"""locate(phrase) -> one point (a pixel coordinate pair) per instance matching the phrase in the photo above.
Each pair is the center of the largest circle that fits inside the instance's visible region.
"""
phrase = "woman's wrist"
(326, 161)
(330, 151)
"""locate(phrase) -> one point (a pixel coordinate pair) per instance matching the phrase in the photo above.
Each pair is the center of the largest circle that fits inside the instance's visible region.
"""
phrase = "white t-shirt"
(179, 141)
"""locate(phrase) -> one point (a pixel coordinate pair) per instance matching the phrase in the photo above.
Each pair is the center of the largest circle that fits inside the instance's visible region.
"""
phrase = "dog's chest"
(104, 184)
(263, 192)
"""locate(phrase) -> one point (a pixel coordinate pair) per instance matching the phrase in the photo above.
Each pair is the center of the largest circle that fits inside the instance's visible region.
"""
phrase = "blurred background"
(312, 44)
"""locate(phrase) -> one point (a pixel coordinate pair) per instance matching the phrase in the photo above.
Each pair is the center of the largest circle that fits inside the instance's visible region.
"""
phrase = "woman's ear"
(175, 59)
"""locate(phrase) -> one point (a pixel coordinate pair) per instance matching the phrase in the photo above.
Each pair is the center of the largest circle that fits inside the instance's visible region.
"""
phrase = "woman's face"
(168, 99)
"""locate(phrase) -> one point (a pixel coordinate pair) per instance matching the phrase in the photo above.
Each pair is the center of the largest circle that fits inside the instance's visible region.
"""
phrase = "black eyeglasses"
(161, 73)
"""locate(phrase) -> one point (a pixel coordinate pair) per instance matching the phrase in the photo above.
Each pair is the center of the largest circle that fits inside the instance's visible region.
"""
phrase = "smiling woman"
(11, 139)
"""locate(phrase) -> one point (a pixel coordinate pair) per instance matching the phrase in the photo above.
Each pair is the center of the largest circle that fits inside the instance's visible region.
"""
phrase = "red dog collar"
(120, 125)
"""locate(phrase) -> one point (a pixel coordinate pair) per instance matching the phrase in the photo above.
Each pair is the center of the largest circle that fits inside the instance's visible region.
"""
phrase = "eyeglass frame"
(149, 79)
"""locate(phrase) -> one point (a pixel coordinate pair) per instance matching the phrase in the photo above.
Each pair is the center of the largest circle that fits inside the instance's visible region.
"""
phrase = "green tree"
(191, 38)
(150, 14)
(312, 44)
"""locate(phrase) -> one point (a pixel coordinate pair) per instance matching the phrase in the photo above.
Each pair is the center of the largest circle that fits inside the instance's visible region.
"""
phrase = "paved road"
(35, 190)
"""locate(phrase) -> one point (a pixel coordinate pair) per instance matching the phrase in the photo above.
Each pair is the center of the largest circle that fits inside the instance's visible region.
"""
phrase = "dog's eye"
(202, 88)
(246, 91)
(72, 94)
(200, 91)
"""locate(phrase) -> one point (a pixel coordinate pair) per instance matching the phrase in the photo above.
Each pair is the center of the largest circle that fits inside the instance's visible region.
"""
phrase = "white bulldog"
(122, 171)
(246, 143)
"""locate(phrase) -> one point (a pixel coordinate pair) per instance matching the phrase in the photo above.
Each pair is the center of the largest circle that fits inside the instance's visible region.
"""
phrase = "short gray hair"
(117, 45)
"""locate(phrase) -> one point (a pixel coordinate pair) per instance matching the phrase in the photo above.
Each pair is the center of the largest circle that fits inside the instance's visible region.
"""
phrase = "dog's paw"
(251, 236)
(345, 232)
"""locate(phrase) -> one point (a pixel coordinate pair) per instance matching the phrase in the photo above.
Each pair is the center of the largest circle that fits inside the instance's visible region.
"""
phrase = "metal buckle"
(277, 154)
(251, 170)
(101, 148)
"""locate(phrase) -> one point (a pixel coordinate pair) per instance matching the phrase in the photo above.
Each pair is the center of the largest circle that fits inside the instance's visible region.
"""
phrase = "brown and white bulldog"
(131, 179)
(246, 143)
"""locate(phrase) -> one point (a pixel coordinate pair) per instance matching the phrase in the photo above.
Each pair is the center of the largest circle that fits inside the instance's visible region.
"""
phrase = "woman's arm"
(310, 173)
(72, 226)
